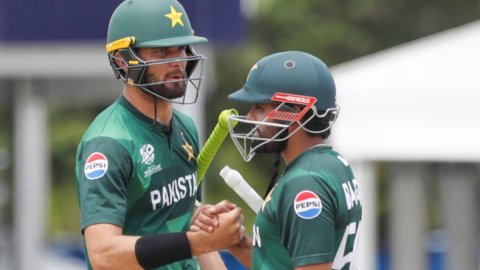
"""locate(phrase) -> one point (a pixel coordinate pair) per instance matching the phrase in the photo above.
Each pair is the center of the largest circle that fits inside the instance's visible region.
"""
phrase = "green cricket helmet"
(299, 85)
(150, 24)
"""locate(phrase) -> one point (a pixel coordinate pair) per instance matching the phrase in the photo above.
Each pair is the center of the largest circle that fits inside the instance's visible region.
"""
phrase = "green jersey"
(137, 174)
(311, 216)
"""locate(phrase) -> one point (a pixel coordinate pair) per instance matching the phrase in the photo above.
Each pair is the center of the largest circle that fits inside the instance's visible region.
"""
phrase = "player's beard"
(272, 146)
(167, 90)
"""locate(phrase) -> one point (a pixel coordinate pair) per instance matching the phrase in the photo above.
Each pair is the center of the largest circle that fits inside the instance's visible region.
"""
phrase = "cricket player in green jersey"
(136, 163)
(312, 213)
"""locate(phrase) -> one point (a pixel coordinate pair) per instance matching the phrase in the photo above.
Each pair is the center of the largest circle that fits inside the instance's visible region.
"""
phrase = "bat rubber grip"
(213, 143)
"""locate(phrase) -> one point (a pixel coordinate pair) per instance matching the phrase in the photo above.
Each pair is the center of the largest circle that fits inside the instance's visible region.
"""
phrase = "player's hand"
(243, 251)
(229, 232)
(205, 217)
(245, 242)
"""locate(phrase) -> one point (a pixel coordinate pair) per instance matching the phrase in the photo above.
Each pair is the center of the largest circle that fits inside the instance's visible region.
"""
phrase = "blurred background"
(408, 83)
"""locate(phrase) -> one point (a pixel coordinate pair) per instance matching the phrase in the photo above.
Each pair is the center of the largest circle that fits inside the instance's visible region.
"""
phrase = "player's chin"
(170, 92)
(178, 85)
(177, 93)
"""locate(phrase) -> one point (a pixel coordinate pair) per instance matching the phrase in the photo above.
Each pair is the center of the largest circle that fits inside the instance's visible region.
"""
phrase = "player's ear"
(295, 125)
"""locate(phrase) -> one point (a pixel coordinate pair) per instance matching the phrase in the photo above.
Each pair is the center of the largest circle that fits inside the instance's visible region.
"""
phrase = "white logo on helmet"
(289, 64)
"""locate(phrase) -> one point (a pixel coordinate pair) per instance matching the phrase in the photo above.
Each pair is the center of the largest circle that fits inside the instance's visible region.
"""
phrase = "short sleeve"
(104, 167)
(306, 220)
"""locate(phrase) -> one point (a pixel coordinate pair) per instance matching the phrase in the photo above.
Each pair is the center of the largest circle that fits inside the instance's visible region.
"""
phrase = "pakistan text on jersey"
(178, 189)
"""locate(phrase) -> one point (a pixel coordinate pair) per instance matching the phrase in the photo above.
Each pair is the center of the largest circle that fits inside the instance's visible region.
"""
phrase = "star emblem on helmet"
(175, 16)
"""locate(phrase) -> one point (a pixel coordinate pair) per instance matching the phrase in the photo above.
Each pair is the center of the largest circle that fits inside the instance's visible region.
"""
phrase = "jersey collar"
(315, 148)
(142, 117)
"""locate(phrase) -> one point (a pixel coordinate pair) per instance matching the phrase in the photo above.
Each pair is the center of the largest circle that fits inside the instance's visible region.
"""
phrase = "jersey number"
(341, 259)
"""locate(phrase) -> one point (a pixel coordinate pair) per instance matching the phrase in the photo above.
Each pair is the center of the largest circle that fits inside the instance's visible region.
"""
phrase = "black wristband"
(157, 250)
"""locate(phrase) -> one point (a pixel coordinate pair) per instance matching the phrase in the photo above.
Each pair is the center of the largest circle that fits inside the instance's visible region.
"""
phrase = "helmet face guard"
(135, 71)
(245, 133)
(139, 24)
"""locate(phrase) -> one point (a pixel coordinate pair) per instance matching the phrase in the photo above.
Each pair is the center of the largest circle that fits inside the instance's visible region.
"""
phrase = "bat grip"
(213, 143)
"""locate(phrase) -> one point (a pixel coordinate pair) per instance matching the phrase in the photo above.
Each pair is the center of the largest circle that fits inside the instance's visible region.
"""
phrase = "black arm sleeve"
(157, 250)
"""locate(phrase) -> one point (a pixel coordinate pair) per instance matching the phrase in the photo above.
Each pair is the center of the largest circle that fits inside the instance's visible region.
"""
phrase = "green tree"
(67, 126)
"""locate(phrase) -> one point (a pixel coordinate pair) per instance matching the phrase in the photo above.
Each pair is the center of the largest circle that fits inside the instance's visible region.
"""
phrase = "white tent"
(417, 101)
(411, 105)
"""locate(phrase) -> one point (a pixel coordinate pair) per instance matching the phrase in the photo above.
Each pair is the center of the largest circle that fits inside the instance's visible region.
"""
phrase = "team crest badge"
(268, 198)
(307, 204)
(96, 166)
(188, 148)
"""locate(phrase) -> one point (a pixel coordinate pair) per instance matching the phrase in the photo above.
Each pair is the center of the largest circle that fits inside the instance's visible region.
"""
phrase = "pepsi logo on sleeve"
(307, 204)
(96, 166)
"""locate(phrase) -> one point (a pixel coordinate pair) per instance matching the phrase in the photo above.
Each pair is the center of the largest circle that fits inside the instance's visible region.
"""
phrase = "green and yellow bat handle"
(213, 143)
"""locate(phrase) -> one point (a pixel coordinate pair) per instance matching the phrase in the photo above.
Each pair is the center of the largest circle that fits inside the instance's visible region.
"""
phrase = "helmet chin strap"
(277, 150)
(273, 181)
(154, 112)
